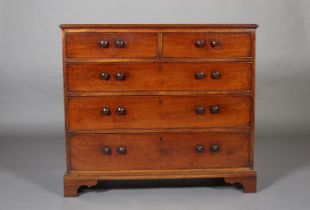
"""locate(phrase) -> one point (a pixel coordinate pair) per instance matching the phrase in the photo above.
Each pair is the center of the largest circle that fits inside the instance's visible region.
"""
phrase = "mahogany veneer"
(164, 150)
(170, 76)
(159, 102)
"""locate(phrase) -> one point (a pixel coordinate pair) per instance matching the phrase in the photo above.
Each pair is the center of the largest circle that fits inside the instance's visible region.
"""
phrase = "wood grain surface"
(85, 45)
(158, 112)
(158, 151)
(158, 77)
(230, 45)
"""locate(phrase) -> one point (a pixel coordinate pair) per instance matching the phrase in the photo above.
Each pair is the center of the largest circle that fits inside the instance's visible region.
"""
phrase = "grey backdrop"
(31, 68)
(32, 153)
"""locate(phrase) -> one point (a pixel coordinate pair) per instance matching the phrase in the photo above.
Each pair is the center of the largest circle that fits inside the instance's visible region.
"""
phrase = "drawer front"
(207, 45)
(160, 77)
(146, 112)
(158, 151)
(111, 45)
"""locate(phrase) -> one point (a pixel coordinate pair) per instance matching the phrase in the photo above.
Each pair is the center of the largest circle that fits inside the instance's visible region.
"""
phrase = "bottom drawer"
(102, 152)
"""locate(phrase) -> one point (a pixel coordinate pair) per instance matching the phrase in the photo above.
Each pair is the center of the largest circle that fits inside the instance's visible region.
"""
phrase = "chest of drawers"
(159, 102)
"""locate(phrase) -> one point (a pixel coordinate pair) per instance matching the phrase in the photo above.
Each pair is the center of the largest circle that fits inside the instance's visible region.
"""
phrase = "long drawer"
(104, 152)
(159, 77)
(134, 112)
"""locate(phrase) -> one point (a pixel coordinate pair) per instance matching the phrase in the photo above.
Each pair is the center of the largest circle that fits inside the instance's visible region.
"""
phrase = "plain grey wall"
(31, 100)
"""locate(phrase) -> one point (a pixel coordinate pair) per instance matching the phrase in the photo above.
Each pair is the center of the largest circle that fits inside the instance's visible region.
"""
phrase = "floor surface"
(31, 172)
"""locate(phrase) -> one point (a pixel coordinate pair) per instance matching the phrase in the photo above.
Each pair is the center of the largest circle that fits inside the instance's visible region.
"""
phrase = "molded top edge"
(246, 26)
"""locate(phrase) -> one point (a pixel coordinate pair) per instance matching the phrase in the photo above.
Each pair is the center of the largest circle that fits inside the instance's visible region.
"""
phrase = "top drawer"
(111, 45)
(207, 45)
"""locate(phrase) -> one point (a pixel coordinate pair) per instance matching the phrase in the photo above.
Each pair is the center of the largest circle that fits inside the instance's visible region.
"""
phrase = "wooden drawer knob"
(215, 74)
(200, 110)
(104, 43)
(107, 150)
(120, 76)
(215, 43)
(120, 43)
(122, 150)
(214, 109)
(121, 111)
(200, 75)
(199, 148)
(199, 43)
(214, 148)
(106, 111)
(105, 76)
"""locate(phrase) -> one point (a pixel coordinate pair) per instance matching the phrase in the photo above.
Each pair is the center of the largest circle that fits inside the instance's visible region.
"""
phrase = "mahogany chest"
(159, 102)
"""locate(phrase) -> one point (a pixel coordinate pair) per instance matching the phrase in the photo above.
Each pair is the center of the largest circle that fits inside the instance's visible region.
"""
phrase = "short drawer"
(111, 45)
(134, 112)
(207, 45)
(159, 77)
(104, 152)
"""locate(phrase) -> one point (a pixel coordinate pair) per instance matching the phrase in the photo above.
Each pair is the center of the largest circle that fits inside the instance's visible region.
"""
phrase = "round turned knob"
(214, 148)
(120, 43)
(104, 43)
(214, 43)
(214, 109)
(199, 148)
(121, 111)
(200, 75)
(107, 150)
(106, 111)
(200, 110)
(105, 76)
(120, 76)
(200, 43)
(215, 74)
(122, 150)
